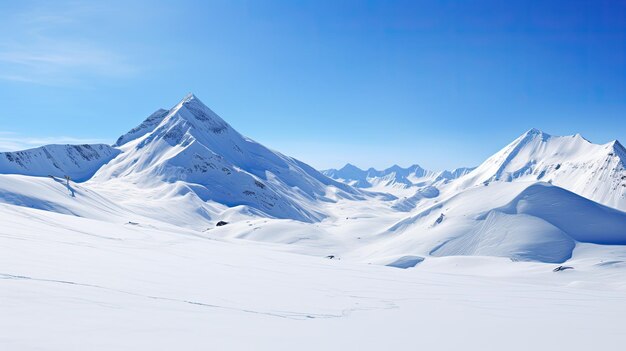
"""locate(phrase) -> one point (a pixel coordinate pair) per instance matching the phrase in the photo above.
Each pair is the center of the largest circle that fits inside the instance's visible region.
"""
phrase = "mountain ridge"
(595, 171)
(413, 175)
(79, 162)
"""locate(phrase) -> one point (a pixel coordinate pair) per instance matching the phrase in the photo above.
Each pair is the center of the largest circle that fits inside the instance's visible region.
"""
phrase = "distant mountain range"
(394, 176)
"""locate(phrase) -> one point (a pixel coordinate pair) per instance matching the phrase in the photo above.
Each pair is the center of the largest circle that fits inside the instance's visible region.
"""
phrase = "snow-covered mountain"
(193, 147)
(79, 162)
(394, 176)
(594, 171)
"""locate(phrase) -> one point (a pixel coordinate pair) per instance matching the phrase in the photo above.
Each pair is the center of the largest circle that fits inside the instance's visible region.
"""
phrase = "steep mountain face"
(192, 145)
(79, 162)
(596, 172)
(394, 176)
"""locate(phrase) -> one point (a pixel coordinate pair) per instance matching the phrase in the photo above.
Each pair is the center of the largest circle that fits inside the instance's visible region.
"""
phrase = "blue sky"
(439, 83)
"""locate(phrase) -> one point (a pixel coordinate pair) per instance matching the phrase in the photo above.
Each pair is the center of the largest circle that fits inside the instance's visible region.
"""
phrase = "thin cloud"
(14, 142)
(53, 58)
(22, 79)
(40, 48)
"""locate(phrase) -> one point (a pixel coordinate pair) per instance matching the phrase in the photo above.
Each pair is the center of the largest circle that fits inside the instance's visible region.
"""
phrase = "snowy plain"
(132, 258)
(72, 283)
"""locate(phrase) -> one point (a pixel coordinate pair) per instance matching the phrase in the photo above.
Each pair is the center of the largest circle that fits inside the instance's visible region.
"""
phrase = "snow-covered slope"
(56, 195)
(594, 171)
(394, 176)
(80, 162)
(190, 144)
(520, 220)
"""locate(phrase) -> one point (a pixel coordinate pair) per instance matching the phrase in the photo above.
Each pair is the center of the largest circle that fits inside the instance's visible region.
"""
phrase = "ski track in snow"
(279, 314)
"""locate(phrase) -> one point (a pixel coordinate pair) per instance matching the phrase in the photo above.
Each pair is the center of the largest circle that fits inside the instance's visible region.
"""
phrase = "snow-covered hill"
(191, 145)
(597, 172)
(79, 162)
(394, 176)
(521, 220)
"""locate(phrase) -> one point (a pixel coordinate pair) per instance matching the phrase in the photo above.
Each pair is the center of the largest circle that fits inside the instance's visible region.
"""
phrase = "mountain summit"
(189, 114)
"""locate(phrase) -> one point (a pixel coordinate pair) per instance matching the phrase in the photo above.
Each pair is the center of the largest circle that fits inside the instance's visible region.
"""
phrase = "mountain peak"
(618, 150)
(533, 132)
(394, 168)
(191, 109)
(531, 136)
(350, 167)
(617, 145)
(189, 97)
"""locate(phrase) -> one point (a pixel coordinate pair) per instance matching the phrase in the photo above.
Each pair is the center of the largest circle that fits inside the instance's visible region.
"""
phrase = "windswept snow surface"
(131, 256)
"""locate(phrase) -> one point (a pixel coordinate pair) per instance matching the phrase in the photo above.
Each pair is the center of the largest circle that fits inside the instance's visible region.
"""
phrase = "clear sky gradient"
(439, 83)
